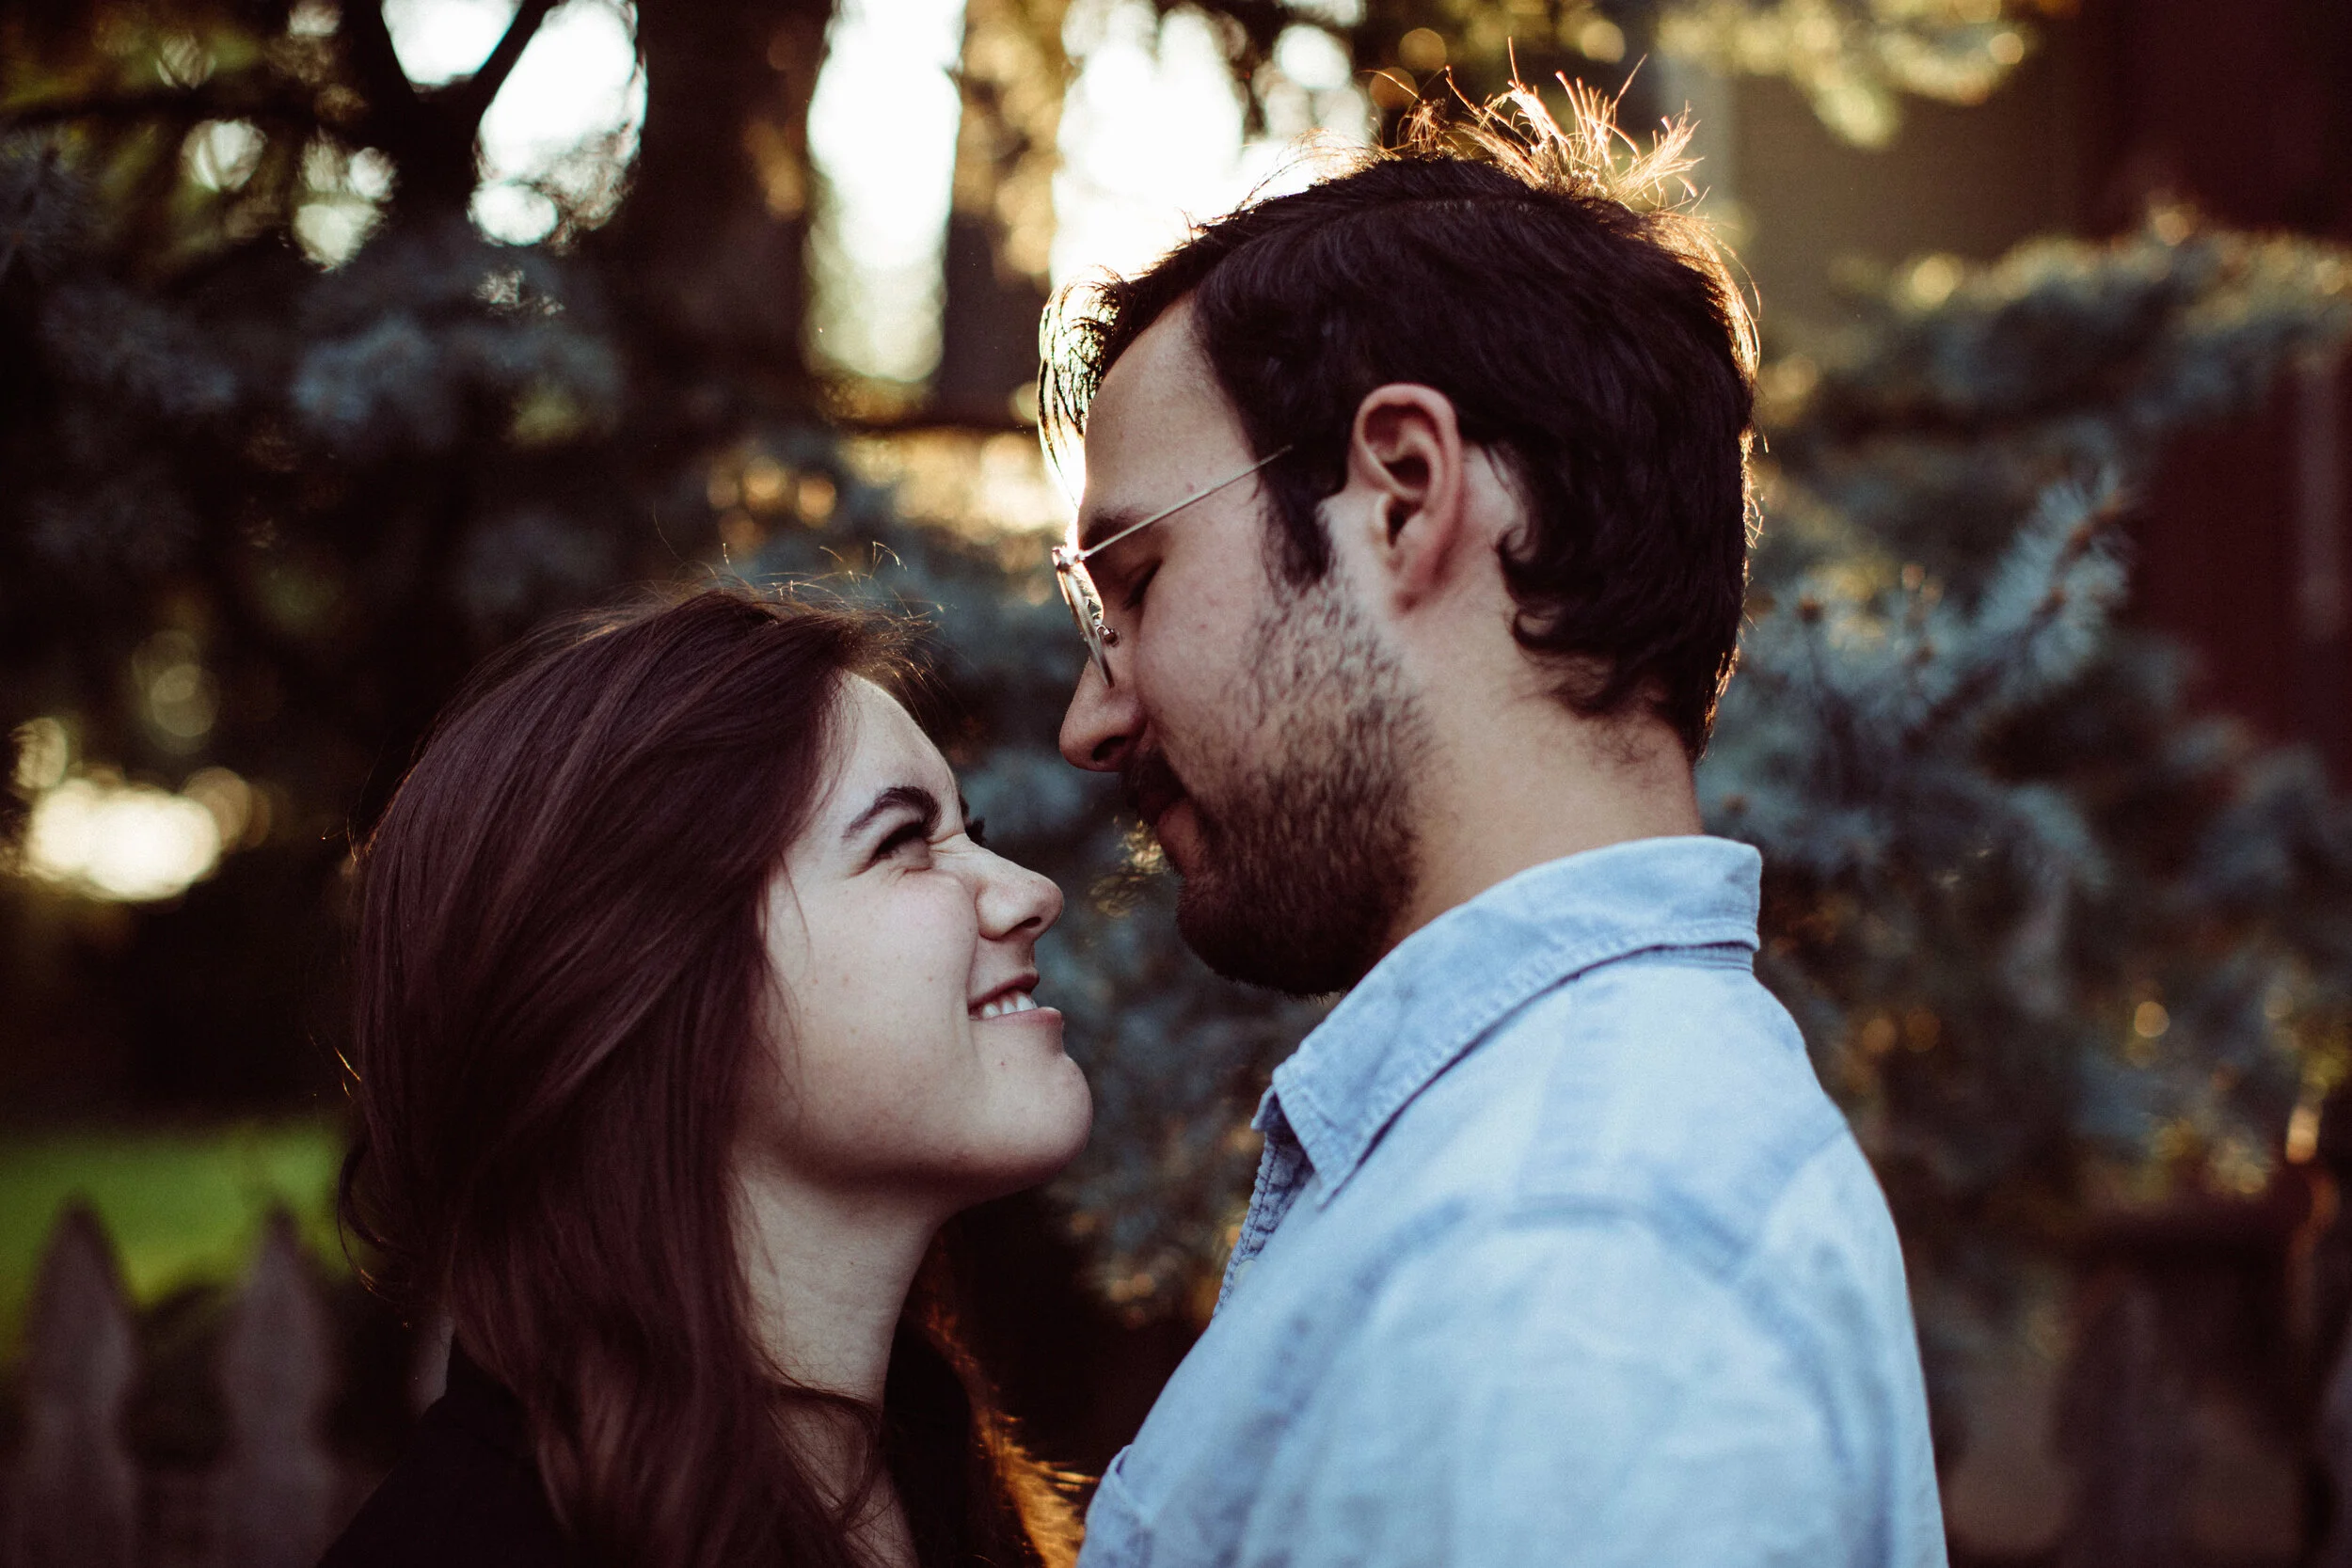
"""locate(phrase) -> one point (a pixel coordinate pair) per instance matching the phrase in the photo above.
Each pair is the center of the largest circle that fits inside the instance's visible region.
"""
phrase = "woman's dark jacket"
(466, 1493)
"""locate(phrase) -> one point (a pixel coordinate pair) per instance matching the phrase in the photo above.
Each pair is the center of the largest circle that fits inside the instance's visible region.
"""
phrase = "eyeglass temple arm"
(1081, 557)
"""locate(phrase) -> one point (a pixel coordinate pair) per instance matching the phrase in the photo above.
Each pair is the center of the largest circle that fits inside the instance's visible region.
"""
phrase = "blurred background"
(340, 343)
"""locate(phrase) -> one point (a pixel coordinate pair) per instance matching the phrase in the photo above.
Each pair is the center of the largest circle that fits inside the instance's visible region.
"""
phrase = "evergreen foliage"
(289, 445)
(2055, 935)
(1997, 831)
(1853, 59)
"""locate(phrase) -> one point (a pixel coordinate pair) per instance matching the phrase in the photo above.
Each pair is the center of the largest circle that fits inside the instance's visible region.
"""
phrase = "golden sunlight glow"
(129, 843)
(882, 134)
(222, 154)
(182, 698)
(1423, 49)
(1932, 280)
(439, 40)
(1599, 39)
(2303, 1132)
(563, 125)
(1954, 51)
(93, 833)
(982, 486)
(1127, 189)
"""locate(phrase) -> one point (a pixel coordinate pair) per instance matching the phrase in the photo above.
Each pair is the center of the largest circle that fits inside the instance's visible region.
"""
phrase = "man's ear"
(1405, 474)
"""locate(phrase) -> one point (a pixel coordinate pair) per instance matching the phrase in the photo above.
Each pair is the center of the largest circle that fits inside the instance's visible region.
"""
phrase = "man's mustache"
(1149, 785)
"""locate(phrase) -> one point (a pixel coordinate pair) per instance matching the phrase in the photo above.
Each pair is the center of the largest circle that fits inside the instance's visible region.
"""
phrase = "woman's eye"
(1143, 585)
(908, 838)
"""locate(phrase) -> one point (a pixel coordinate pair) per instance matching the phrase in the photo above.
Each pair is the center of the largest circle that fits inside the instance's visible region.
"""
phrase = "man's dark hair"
(1587, 331)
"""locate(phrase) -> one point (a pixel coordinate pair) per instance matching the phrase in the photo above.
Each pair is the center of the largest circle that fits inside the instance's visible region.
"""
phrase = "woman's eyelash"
(1134, 594)
(901, 837)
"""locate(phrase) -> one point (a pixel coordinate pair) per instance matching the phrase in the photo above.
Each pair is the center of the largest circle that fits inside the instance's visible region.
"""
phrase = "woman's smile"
(888, 915)
(1008, 1004)
(1014, 996)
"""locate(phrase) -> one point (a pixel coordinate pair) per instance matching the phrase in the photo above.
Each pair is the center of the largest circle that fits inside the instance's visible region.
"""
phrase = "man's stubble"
(1308, 848)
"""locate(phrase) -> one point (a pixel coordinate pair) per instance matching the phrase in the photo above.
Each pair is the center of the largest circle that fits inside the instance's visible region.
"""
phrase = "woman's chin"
(1057, 1124)
(1062, 1136)
(1081, 1123)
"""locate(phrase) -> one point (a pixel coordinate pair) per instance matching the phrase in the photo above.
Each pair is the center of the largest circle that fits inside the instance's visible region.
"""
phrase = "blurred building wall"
(2244, 113)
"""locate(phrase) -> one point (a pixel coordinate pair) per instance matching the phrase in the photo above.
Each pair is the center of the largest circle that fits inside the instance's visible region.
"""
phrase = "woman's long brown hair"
(561, 982)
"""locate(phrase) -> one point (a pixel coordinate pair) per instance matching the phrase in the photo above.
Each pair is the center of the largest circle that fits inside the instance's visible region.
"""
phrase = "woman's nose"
(1015, 900)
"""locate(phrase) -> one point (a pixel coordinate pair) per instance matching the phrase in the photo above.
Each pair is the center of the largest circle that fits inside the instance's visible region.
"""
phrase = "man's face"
(1265, 733)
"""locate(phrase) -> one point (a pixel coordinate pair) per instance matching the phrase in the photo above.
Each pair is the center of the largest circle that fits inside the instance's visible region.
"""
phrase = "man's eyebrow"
(1107, 523)
(914, 797)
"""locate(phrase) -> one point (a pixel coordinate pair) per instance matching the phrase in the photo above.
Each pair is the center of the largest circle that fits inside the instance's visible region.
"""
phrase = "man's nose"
(1099, 728)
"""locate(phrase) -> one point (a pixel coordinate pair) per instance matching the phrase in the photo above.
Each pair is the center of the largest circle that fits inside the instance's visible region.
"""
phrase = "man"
(1413, 550)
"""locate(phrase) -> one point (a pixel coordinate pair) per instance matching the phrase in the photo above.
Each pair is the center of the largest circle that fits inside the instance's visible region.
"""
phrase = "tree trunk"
(704, 260)
(1001, 231)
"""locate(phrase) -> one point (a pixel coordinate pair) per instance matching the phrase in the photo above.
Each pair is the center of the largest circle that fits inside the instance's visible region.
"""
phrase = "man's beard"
(1308, 851)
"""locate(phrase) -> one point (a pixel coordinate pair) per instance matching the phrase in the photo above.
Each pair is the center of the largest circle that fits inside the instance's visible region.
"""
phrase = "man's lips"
(1153, 804)
(1155, 792)
(1152, 789)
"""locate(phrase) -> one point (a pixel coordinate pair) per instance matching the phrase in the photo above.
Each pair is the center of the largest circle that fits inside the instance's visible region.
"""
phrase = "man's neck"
(1509, 790)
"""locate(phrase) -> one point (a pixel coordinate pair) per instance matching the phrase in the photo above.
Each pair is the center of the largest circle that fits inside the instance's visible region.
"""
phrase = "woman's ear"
(1404, 466)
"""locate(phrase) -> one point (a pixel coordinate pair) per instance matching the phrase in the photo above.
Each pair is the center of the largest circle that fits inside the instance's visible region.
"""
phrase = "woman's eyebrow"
(922, 802)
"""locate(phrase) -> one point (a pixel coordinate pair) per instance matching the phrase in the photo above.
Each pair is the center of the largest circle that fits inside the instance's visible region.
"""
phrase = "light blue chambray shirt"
(1558, 1254)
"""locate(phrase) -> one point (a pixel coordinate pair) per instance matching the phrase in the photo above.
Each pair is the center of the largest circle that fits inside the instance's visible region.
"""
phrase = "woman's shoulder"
(467, 1492)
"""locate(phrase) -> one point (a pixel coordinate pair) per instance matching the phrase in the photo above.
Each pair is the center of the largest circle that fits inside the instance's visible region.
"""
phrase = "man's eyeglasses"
(1078, 584)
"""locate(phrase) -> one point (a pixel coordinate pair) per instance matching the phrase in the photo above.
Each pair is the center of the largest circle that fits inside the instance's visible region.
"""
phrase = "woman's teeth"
(1011, 1002)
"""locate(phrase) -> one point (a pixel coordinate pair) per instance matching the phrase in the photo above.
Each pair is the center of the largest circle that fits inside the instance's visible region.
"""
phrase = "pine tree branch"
(430, 134)
(368, 51)
(188, 103)
(1980, 683)
(24, 214)
(470, 98)
(1837, 713)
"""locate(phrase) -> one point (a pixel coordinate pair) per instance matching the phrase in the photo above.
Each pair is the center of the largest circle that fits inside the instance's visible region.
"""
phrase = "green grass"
(183, 1206)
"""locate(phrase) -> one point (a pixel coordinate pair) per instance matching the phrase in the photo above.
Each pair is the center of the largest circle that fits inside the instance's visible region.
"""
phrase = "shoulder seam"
(1724, 1253)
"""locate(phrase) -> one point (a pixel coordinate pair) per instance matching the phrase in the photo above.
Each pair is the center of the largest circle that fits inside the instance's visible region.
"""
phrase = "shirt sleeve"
(1578, 1388)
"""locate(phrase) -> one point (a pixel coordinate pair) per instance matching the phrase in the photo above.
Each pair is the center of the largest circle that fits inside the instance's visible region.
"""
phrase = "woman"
(688, 1007)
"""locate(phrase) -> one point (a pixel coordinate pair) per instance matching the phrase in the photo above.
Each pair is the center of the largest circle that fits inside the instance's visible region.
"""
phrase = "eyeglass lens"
(1079, 592)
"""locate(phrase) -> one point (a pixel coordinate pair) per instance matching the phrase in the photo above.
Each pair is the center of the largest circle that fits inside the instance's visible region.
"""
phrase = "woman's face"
(913, 1060)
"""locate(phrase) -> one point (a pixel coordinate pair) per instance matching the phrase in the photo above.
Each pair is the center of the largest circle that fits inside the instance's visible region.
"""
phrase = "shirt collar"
(1447, 984)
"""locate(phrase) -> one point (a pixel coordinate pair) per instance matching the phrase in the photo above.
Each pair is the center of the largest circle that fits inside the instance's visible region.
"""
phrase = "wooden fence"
(74, 1494)
(76, 1498)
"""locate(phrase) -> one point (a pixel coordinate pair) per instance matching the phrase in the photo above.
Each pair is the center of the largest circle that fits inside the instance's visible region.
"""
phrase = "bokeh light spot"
(128, 843)
(1421, 50)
